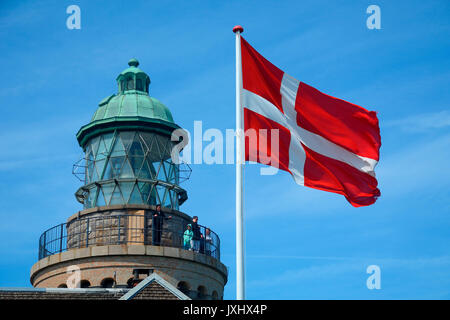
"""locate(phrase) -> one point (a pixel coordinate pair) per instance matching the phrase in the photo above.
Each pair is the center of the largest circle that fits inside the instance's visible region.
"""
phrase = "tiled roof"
(60, 294)
(154, 291)
(151, 288)
(154, 288)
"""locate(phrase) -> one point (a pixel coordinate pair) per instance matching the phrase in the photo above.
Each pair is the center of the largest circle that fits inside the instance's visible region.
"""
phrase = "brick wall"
(98, 263)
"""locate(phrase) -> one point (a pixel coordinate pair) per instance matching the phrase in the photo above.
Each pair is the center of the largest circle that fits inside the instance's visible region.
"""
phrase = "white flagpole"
(240, 274)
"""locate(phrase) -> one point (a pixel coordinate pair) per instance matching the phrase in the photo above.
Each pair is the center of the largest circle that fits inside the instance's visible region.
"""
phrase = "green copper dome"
(130, 108)
(135, 104)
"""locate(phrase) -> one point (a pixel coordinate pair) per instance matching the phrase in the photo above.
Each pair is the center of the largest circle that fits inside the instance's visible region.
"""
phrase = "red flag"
(324, 142)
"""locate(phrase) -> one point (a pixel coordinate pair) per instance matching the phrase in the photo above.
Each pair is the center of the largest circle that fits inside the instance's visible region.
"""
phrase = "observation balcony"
(123, 229)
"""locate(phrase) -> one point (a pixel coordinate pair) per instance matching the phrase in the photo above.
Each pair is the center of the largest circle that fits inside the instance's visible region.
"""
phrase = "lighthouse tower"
(116, 240)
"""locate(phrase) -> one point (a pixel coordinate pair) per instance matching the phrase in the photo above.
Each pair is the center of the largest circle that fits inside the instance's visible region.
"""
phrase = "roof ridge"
(152, 278)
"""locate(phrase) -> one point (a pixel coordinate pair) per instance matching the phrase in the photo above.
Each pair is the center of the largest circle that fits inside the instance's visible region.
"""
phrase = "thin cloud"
(422, 122)
(357, 265)
(419, 166)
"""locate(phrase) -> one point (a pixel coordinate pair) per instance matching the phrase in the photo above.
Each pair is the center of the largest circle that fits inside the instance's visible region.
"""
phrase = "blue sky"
(300, 243)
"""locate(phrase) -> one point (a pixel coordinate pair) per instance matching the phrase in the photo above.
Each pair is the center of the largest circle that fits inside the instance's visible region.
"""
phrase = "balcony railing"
(125, 229)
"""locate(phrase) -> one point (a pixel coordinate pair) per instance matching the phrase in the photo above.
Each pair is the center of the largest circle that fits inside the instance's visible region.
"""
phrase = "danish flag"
(324, 142)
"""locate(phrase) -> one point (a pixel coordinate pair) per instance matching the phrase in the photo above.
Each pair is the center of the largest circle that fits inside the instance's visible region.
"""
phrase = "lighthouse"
(130, 226)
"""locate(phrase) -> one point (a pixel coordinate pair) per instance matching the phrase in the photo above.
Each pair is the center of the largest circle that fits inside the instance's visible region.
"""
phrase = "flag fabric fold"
(324, 142)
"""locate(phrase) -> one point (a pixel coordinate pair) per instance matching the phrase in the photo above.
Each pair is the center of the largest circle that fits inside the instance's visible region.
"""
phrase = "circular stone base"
(196, 273)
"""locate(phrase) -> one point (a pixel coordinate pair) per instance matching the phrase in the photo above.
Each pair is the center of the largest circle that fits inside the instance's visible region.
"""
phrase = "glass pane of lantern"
(100, 199)
(94, 176)
(161, 192)
(136, 147)
(126, 188)
(109, 173)
(127, 138)
(153, 196)
(136, 164)
(116, 197)
(100, 165)
(162, 172)
(146, 171)
(107, 139)
(107, 191)
(135, 195)
(126, 171)
(144, 188)
(94, 145)
(116, 164)
(118, 148)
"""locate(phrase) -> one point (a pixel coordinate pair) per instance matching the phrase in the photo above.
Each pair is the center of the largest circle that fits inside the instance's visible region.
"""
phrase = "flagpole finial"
(238, 28)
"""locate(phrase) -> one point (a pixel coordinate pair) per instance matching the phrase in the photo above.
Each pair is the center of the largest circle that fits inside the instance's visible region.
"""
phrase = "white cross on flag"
(324, 142)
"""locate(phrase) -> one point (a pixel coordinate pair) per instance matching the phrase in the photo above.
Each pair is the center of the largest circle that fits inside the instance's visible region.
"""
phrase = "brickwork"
(154, 291)
(127, 229)
(97, 263)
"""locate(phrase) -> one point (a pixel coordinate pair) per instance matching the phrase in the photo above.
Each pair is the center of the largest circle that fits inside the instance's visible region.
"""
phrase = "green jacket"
(187, 236)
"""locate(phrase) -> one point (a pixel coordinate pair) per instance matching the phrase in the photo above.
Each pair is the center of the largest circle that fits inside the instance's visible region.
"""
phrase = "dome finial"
(133, 62)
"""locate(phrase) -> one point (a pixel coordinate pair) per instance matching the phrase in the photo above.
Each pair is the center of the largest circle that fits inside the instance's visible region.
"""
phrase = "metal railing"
(137, 229)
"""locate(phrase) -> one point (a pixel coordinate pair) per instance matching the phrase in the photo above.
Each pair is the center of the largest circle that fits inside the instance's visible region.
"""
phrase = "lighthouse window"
(90, 169)
(126, 188)
(126, 171)
(145, 191)
(116, 197)
(139, 85)
(117, 164)
(146, 170)
(183, 287)
(118, 148)
(107, 139)
(135, 196)
(136, 148)
(130, 84)
(108, 189)
(107, 283)
(127, 156)
(100, 165)
(100, 199)
(201, 292)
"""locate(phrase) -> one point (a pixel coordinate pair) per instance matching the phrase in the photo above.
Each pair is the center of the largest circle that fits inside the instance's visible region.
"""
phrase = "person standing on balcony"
(197, 234)
(157, 225)
(187, 238)
(208, 241)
